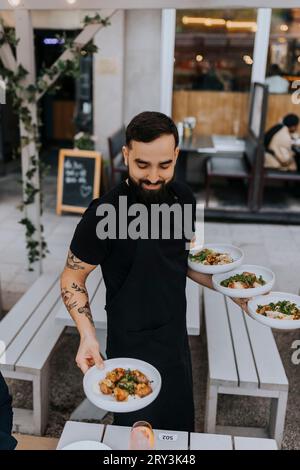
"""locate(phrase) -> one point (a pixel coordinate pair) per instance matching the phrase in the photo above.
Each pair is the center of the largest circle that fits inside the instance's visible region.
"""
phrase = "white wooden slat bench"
(243, 359)
(28, 336)
(193, 320)
(252, 443)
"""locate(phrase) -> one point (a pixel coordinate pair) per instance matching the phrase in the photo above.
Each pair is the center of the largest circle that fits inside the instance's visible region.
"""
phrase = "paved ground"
(274, 246)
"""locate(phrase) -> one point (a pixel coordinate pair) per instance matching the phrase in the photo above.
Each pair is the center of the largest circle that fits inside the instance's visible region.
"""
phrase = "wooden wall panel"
(279, 106)
(226, 112)
(180, 104)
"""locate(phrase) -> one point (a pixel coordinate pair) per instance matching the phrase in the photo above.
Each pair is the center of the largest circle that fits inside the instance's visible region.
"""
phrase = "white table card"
(168, 436)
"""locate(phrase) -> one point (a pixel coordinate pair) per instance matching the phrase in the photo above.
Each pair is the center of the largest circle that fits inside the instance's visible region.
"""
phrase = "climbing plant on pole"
(25, 98)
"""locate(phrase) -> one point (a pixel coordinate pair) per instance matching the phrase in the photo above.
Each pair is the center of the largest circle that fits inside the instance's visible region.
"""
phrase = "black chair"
(229, 167)
(115, 144)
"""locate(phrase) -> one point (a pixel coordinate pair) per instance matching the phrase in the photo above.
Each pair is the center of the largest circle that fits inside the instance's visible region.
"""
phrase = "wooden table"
(205, 146)
(198, 143)
(117, 438)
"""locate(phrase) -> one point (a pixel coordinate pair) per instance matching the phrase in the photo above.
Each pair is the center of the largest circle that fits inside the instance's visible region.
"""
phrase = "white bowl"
(108, 402)
(272, 322)
(86, 445)
(267, 275)
(236, 254)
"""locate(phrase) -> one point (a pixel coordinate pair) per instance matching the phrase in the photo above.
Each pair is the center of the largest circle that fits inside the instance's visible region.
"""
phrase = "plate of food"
(244, 282)
(123, 385)
(215, 258)
(86, 445)
(277, 310)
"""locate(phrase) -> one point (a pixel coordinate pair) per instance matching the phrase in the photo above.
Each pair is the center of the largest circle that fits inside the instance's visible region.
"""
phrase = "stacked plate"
(278, 313)
(195, 262)
(263, 275)
(278, 310)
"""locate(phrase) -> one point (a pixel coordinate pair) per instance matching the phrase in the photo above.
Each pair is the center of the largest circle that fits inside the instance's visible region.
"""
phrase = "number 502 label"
(167, 436)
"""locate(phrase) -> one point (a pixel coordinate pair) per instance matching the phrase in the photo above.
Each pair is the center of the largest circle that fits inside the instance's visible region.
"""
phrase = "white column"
(108, 80)
(168, 29)
(25, 57)
(142, 62)
(261, 45)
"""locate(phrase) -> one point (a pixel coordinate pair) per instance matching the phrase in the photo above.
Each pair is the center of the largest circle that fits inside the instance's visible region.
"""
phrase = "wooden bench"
(28, 335)
(243, 359)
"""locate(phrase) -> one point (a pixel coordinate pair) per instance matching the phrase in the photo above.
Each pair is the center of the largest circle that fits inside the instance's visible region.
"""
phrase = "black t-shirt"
(115, 255)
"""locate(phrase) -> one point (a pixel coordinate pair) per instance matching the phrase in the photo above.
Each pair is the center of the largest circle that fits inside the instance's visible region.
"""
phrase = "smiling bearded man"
(145, 278)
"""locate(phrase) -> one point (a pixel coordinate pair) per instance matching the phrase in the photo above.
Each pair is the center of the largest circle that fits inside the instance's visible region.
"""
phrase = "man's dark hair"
(148, 126)
(291, 120)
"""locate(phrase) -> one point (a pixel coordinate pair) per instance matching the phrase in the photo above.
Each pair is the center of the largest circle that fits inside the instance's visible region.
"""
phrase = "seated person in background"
(207, 78)
(276, 83)
(7, 441)
(278, 144)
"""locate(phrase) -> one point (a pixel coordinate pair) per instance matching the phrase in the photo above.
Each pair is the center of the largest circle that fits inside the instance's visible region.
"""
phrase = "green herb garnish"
(246, 278)
(201, 255)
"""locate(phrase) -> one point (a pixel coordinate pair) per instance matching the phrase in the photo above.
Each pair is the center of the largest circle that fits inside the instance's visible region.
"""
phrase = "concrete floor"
(276, 247)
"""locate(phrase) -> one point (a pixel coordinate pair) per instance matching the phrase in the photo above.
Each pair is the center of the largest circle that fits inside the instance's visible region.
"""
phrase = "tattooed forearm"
(72, 304)
(74, 292)
(73, 262)
(78, 288)
(85, 310)
(67, 297)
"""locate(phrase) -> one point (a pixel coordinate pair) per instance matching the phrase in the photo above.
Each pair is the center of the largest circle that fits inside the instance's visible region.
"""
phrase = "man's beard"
(151, 196)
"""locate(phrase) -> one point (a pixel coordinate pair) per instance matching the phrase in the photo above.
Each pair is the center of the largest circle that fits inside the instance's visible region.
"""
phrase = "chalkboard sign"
(78, 179)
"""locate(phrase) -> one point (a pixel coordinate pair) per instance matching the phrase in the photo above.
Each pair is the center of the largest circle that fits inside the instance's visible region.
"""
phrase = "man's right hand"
(88, 354)
(243, 303)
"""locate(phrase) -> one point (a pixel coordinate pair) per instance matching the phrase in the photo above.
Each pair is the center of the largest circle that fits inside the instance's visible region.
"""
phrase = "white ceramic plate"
(267, 275)
(273, 322)
(236, 254)
(108, 402)
(86, 445)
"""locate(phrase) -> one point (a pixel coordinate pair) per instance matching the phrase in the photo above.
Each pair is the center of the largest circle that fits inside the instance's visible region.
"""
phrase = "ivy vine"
(22, 96)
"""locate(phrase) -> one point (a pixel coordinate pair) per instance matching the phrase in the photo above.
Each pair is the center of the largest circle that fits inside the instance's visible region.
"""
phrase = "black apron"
(147, 320)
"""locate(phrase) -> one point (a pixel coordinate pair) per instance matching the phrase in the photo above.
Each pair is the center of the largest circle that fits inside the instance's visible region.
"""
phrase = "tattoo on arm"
(85, 310)
(78, 288)
(67, 297)
(71, 304)
(73, 262)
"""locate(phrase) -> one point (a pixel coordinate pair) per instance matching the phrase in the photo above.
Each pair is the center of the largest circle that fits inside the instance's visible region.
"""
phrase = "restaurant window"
(284, 50)
(214, 49)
